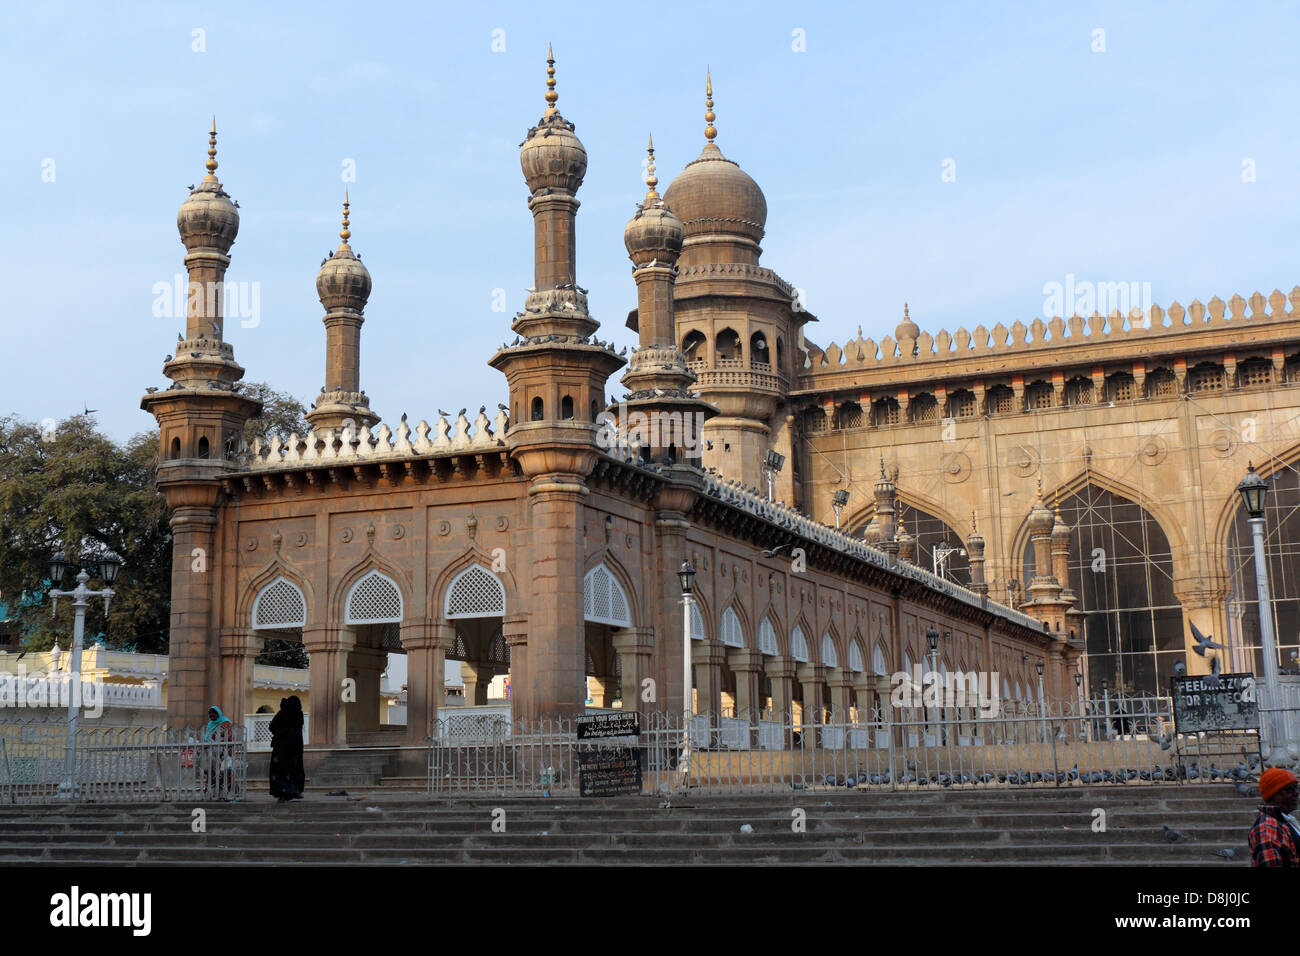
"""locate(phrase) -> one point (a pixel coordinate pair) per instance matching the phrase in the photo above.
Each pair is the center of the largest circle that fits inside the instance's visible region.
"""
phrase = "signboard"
(609, 772)
(596, 726)
(1201, 706)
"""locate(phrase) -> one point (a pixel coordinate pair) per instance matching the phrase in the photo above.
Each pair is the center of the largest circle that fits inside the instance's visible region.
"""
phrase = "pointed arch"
(1168, 522)
(767, 631)
(1266, 469)
(603, 598)
(373, 598)
(275, 568)
(370, 562)
(470, 556)
(799, 645)
(618, 578)
(474, 592)
(732, 631)
(830, 655)
(279, 605)
(879, 661)
(857, 662)
(699, 619)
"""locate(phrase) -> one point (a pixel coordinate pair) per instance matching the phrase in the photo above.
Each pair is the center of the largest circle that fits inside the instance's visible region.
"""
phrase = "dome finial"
(651, 180)
(709, 131)
(211, 164)
(551, 95)
(345, 233)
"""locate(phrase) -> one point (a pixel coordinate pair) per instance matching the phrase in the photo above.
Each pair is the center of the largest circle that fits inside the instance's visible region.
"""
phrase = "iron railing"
(118, 765)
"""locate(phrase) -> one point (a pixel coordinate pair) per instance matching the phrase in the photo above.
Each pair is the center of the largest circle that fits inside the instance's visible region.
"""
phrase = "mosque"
(545, 539)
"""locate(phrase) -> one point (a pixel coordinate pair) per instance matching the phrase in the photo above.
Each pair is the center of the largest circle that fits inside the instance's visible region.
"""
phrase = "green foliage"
(72, 488)
(282, 653)
(282, 414)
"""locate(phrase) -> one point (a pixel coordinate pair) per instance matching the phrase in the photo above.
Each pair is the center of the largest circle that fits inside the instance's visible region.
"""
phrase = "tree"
(71, 488)
(282, 414)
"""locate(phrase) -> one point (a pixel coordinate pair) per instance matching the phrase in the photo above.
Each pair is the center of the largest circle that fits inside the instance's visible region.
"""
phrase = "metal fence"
(1071, 743)
(117, 765)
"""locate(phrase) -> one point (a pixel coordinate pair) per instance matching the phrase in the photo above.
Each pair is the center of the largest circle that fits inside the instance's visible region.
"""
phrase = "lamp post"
(1253, 490)
(772, 463)
(838, 502)
(1078, 686)
(1105, 697)
(686, 575)
(932, 636)
(109, 565)
(1042, 708)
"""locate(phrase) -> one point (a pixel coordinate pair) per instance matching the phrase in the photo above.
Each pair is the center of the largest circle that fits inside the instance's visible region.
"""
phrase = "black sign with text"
(1202, 703)
(609, 772)
(609, 725)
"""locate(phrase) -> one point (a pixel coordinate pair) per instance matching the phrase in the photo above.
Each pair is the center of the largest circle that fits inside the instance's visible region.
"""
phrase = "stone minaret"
(557, 375)
(343, 285)
(660, 416)
(201, 420)
(885, 492)
(975, 552)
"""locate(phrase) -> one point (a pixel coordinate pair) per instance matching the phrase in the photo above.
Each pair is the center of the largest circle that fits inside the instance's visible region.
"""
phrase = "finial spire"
(973, 523)
(882, 466)
(651, 179)
(345, 233)
(1040, 488)
(211, 164)
(709, 131)
(906, 317)
(551, 95)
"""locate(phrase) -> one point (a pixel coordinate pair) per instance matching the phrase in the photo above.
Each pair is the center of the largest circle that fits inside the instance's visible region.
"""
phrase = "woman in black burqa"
(287, 777)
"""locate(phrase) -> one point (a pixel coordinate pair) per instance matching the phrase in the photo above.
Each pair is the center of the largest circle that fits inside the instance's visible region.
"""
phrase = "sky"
(959, 157)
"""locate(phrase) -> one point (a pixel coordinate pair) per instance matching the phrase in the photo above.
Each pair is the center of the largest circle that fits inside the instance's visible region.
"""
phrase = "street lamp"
(686, 575)
(1042, 708)
(1078, 687)
(108, 567)
(772, 463)
(932, 636)
(1253, 489)
(838, 501)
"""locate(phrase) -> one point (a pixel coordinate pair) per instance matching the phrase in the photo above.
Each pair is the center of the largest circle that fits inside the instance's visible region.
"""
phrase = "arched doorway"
(1281, 534)
(1121, 570)
(606, 610)
(373, 610)
(475, 603)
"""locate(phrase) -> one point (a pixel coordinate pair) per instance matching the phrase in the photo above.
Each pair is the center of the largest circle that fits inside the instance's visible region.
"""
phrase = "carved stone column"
(239, 649)
(328, 647)
(634, 647)
(426, 644)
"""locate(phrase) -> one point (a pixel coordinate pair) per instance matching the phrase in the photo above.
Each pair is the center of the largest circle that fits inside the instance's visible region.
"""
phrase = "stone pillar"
(747, 665)
(975, 551)
(514, 629)
(477, 675)
(780, 671)
(239, 649)
(426, 644)
(841, 684)
(328, 647)
(811, 677)
(707, 658)
(634, 646)
(365, 665)
(189, 693)
(557, 644)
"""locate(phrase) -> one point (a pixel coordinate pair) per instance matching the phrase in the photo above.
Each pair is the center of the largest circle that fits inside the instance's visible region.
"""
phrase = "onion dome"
(654, 232)
(885, 486)
(209, 218)
(551, 155)
(343, 281)
(1040, 516)
(1060, 530)
(713, 194)
(907, 329)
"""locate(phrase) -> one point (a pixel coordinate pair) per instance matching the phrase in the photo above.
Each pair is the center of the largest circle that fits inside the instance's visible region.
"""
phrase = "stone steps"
(1029, 827)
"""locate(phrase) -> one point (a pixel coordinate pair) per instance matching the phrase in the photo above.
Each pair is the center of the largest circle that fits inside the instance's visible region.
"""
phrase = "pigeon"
(1171, 835)
(1203, 642)
(150, 390)
(502, 407)
(442, 413)
(1180, 669)
(1243, 790)
(771, 553)
(167, 359)
(1228, 852)
(1213, 679)
(1165, 741)
(462, 412)
(403, 416)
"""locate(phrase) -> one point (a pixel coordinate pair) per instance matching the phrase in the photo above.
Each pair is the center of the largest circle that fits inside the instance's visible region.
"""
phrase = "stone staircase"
(1002, 827)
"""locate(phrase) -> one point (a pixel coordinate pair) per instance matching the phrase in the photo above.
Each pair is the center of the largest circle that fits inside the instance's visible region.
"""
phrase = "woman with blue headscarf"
(219, 731)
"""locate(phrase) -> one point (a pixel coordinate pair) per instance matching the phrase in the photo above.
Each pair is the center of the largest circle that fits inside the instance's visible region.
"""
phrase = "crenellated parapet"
(350, 445)
(1157, 326)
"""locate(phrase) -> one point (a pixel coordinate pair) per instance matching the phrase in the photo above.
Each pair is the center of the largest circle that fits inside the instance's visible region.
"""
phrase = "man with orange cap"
(1273, 839)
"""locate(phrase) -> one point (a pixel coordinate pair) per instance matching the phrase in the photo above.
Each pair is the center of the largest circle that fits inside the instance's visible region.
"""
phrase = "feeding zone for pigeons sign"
(1206, 703)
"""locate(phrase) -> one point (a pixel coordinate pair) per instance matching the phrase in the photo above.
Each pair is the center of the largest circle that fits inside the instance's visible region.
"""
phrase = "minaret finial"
(709, 131)
(1040, 487)
(551, 95)
(905, 315)
(651, 179)
(974, 525)
(211, 164)
(882, 466)
(345, 233)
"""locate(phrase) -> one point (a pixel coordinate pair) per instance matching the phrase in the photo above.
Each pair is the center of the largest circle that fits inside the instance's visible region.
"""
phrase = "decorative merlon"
(351, 446)
(1157, 322)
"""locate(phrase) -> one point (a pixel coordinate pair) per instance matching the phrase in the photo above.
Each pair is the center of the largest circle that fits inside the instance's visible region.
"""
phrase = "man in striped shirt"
(1273, 839)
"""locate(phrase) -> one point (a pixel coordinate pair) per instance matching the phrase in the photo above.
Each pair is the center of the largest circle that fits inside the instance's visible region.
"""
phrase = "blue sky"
(1115, 166)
